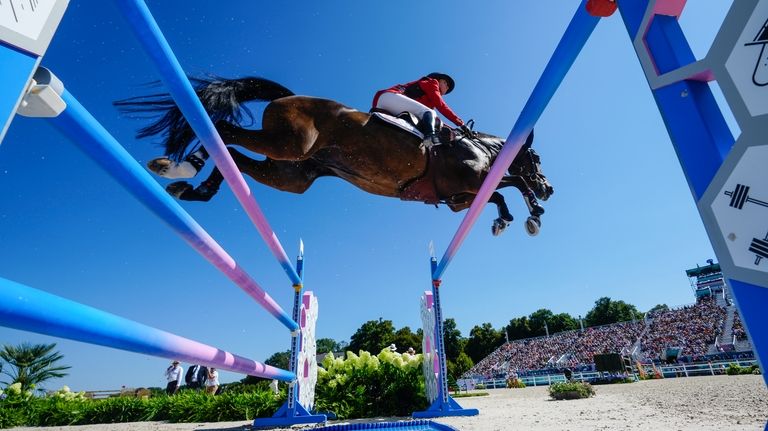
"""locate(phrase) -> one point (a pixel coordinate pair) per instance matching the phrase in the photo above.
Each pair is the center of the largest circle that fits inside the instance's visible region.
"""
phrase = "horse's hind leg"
(293, 177)
(287, 133)
(187, 168)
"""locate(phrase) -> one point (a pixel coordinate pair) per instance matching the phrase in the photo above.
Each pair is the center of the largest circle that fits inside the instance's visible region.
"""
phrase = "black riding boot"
(427, 126)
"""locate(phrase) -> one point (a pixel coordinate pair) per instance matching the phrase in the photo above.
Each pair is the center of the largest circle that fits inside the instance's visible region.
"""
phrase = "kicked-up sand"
(716, 403)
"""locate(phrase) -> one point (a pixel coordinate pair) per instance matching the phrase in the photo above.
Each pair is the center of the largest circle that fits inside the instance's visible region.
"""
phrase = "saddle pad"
(399, 123)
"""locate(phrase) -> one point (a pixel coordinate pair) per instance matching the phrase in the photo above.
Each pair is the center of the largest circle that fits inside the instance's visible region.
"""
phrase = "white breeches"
(395, 103)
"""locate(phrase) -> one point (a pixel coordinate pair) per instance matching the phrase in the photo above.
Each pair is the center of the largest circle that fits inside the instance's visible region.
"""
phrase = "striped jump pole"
(28, 309)
(88, 134)
(575, 37)
(159, 51)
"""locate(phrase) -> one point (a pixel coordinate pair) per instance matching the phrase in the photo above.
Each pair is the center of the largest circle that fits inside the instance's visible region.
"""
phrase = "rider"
(420, 97)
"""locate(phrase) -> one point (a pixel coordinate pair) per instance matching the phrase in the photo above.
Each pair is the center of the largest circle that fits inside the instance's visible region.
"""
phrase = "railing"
(667, 371)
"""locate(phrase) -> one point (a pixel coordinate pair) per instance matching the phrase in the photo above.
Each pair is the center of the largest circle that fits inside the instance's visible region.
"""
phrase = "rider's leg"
(395, 103)
(428, 126)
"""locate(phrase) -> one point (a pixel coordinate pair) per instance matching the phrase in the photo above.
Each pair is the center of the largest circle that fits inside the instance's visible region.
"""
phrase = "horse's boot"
(427, 125)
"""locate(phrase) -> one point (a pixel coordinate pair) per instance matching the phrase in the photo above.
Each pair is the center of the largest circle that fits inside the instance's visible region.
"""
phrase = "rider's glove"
(466, 130)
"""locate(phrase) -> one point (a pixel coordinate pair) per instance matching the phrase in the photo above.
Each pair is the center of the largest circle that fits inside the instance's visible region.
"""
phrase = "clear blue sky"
(621, 223)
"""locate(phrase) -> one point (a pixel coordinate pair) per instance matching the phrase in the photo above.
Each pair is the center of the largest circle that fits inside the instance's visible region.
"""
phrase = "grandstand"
(707, 330)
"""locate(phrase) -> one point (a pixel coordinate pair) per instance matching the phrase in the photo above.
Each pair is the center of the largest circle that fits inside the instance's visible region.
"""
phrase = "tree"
(325, 345)
(454, 342)
(462, 364)
(280, 360)
(658, 308)
(538, 319)
(607, 311)
(482, 341)
(373, 336)
(562, 322)
(405, 338)
(519, 328)
(32, 364)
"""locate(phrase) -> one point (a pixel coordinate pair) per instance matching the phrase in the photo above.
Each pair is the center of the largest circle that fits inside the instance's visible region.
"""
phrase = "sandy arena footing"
(715, 403)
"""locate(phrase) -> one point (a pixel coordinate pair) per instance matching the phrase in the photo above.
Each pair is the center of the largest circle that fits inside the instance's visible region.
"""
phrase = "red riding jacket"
(425, 91)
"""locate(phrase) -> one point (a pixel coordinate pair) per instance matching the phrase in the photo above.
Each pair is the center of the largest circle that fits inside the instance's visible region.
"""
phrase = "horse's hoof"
(167, 168)
(178, 189)
(533, 225)
(499, 226)
(204, 192)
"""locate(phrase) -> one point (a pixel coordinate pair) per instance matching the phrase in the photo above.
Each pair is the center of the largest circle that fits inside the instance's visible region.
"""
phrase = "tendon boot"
(427, 126)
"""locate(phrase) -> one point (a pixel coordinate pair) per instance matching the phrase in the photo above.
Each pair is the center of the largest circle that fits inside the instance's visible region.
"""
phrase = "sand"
(697, 403)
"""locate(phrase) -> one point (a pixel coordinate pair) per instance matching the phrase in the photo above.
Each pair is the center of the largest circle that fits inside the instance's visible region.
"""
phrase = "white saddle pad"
(400, 123)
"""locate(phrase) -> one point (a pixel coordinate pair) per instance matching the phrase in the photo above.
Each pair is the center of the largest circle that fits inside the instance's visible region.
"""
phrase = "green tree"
(562, 322)
(462, 364)
(519, 328)
(454, 342)
(280, 360)
(538, 319)
(482, 341)
(607, 311)
(373, 336)
(31, 364)
(405, 338)
(325, 345)
(658, 308)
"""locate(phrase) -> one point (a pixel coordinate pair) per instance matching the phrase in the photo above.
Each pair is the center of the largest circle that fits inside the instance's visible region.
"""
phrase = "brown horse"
(304, 138)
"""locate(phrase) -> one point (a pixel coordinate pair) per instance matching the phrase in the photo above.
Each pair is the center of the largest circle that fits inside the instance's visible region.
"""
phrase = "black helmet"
(448, 79)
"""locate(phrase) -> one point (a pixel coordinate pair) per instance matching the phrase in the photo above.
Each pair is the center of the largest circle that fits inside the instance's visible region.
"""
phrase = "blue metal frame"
(444, 405)
(292, 412)
(18, 68)
(701, 140)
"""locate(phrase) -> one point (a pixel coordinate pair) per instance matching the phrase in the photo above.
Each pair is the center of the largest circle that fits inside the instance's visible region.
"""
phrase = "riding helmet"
(447, 78)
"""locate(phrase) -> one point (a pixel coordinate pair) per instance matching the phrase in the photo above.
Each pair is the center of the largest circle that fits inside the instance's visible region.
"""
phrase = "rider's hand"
(466, 130)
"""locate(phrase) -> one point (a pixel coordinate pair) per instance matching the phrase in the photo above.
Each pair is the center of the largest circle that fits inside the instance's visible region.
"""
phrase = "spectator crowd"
(692, 329)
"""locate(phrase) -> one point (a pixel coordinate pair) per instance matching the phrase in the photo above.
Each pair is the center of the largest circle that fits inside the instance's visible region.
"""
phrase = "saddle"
(405, 121)
(409, 123)
(422, 188)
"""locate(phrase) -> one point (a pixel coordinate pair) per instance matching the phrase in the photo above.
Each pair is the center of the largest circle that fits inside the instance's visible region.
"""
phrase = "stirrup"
(432, 139)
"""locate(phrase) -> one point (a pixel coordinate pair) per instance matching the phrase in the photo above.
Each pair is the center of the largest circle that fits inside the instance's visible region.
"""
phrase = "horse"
(303, 138)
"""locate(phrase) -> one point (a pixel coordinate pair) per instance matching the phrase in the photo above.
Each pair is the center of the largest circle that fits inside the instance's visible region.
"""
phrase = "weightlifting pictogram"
(740, 196)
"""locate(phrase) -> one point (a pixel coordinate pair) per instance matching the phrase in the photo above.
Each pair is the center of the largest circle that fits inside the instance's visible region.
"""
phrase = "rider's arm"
(431, 89)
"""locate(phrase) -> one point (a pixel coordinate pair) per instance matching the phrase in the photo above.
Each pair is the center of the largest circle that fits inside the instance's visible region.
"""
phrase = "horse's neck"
(492, 144)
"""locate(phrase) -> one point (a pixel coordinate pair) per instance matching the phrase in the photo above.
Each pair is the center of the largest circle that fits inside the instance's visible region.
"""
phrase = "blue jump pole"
(573, 40)
(155, 45)
(80, 126)
(29, 309)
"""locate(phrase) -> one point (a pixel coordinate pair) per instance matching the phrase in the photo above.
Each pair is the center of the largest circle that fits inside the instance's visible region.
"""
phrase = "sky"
(621, 223)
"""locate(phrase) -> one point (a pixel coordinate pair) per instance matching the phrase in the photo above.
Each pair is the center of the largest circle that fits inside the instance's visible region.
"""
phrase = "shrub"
(735, 369)
(513, 383)
(59, 408)
(389, 384)
(570, 390)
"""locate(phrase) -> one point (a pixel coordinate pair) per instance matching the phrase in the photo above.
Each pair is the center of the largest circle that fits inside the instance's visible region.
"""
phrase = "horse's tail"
(222, 99)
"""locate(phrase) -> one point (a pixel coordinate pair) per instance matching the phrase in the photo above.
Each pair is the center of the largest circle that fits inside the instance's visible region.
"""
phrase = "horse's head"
(526, 165)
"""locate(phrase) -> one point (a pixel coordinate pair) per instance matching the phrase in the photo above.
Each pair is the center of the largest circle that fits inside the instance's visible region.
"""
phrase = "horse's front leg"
(533, 223)
(505, 217)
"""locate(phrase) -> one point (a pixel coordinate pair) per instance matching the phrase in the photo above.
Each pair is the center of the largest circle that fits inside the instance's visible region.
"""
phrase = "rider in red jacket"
(420, 97)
